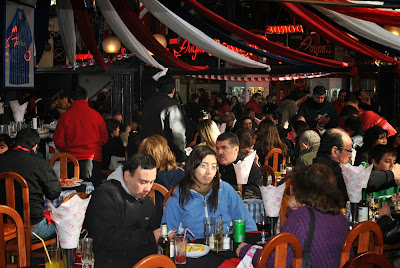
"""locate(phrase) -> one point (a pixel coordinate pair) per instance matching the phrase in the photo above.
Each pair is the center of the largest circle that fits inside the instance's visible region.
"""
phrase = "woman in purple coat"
(314, 189)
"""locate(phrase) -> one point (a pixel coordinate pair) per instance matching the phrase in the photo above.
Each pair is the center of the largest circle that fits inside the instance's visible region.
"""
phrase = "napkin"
(243, 168)
(355, 179)
(18, 110)
(272, 199)
(69, 217)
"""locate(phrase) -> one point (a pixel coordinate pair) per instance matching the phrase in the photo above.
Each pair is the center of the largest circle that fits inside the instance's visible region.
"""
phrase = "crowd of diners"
(192, 148)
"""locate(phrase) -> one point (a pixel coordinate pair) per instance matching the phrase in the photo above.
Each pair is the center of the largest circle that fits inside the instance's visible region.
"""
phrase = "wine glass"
(87, 252)
(263, 226)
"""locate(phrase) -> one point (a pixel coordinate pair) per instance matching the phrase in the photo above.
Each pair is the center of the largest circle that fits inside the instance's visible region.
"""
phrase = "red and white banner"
(258, 78)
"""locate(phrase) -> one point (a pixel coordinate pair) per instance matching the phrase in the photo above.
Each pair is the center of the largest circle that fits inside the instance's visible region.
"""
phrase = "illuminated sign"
(284, 29)
(88, 56)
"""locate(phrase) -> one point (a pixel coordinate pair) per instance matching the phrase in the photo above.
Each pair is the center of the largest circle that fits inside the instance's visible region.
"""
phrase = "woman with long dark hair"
(201, 194)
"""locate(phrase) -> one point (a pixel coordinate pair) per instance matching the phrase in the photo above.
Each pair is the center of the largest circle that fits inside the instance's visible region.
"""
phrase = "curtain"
(197, 37)
(86, 32)
(65, 17)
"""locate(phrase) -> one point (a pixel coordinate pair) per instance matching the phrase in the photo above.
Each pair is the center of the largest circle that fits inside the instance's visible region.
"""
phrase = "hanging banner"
(18, 32)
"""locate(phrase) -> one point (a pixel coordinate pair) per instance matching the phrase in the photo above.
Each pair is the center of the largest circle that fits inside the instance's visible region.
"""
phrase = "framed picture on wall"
(18, 33)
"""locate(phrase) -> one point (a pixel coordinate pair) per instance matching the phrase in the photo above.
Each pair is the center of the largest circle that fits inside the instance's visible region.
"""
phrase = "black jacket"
(390, 229)
(255, 177)
(378, 180)
(38, 174)
(121, 226)
(162, 115)
(114, 147)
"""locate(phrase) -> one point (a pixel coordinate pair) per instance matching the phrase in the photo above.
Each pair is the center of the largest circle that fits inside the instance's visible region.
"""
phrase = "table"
(64, 193)
(255, 206)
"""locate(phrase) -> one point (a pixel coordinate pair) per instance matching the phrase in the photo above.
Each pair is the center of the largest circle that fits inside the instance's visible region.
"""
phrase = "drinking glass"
(283, 170)
(374, 206)
(263, 226)
(87, 252)
(180, 244)
(54, 254)
(209, 228)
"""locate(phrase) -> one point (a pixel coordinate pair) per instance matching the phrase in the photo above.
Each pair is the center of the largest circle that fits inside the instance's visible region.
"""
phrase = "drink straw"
(44, 245)
(184, 236)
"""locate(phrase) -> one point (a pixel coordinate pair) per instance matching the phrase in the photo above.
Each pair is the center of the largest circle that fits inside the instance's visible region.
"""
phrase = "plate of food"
(44, 135)
(51, 126)
(42, 130)
(69, 183)
(196, 250)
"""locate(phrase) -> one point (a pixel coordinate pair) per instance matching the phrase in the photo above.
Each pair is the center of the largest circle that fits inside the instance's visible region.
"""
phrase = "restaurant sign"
(285, 29)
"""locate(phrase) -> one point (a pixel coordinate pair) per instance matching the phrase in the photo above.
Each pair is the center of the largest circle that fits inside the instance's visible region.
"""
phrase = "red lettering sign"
(284, 29)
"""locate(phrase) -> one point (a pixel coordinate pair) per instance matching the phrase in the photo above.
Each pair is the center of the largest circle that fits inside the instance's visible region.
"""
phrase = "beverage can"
(240, 228)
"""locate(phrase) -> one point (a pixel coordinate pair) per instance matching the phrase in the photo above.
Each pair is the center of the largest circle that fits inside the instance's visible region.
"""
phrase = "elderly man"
(227, 154)
(318, 112)
(81, 131)
(39, 175)
(336, 148)
(121, 217)
(309, 144)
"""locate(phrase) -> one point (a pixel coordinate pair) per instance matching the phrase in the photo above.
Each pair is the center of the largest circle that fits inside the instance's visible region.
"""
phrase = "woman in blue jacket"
(201, 194)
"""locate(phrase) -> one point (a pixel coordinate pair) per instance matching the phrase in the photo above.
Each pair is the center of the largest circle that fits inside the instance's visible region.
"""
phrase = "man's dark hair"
(166, 84)
(352, 98)
(79, 94)
(256, 95)
(248, 110)
(145, 161)
(353, 123)
(195, 96)
(296, 94)
(342, 91)
(349, 110)
(111, 124)
(28, 137)
(379, 150)
(4, 138)
(319, 90)
(232, 138)
(332, 137)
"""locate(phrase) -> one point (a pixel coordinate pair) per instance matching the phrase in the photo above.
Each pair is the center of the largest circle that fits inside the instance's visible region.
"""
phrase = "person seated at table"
(372, 137)
(121, 217)
(209, 132)
(309, 144)
(168, 173)
(383, 157)
(201, 193)
(40, 176)
(390, 227)
(315, 191)
(227, 154)
(5, 143)
(247, 139)
(114, 145)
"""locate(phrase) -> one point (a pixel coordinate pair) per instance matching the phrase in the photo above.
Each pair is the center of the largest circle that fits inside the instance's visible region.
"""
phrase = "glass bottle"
(289, 166)
(164, 244)
(219, 236)
(363, 207)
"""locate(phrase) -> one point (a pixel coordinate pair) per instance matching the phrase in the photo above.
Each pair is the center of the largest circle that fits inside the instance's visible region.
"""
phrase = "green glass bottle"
(363, 207)
(163, 241)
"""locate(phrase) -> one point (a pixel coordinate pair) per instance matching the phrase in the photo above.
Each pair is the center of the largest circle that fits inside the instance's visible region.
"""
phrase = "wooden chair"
(64, 157)
(168, 195)
(274, 153)
(266, 171)
(368, 258)
(279, 243)
(362, 231)
(157, 187)
(10, 178)
(20, 236)
(155, 260)
(284, 205)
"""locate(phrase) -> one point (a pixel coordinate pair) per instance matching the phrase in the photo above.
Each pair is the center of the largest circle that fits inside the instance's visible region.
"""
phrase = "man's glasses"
(348, 150)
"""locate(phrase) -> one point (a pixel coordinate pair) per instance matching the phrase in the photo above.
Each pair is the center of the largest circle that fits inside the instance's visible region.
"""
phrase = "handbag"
(306, 263)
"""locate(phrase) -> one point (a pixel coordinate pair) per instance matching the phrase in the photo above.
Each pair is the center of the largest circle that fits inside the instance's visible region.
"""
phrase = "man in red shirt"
(339, 103)
(254, 103)
(81, 131)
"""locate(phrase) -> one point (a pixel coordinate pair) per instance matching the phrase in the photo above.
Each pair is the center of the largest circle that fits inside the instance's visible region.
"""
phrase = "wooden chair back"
(266, 171)
(362, 231)
(284, 205)
(155, 260)
(280, 243)
(21, 246)
(274, 153)
(64, 157)
(159, 188)
(369, 258)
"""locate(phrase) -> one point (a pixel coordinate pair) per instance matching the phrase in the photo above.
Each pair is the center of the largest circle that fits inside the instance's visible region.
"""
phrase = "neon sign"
(89, 56)
(13, 40)
(284, 29)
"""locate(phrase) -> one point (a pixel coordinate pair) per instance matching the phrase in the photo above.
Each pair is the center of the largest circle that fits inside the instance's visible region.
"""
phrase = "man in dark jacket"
(336, 148)
(227, 154)
(121, 217)
(319, 113)
(39, 175)
(162, 115)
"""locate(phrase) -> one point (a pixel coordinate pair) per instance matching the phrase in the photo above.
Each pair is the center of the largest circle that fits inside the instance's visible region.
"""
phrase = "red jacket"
(81, 131)
(254, 105)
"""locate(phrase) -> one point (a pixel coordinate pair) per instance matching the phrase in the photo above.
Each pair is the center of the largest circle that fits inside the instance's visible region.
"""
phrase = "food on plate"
(195, 248)
(66, 182)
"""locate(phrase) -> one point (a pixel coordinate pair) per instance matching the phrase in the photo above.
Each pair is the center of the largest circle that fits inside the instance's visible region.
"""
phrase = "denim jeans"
(43, 230)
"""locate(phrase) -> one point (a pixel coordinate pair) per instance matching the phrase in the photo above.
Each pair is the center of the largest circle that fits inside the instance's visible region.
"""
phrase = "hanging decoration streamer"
(260, 79)
(65, 17)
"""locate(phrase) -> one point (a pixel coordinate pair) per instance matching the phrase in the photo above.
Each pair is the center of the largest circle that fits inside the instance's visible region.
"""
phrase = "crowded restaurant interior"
(199, 133)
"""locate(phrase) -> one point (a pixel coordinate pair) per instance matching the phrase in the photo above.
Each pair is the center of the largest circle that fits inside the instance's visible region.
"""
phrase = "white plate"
(72, 186)
(44, 136)
(42, 131)
(51, 126)
(198, 254)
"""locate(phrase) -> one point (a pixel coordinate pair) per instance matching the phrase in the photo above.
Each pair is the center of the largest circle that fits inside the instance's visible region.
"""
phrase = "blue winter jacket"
(230, 206)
